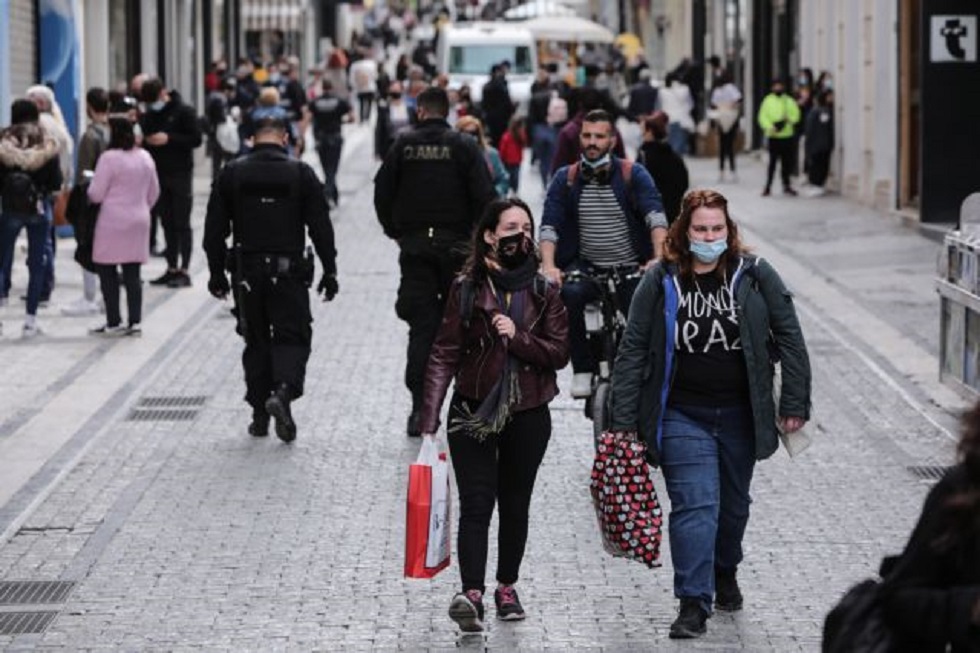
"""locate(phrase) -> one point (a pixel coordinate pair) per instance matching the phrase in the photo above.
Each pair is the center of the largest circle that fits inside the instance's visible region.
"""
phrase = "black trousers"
(109, 281)
(428, 266)
(277, 337)
(500, 470)
(726, 147)
(781, 151)
(329, 148)
(174, 210)
(819, 168)
(364, 101)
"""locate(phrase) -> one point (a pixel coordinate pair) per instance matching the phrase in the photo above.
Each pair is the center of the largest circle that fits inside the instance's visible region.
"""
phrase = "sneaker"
(134, 330)
(508, 605)
(466, 610)
(690, 623)
(581, 385)
(789, 191)
(766, 192)
(259, 428)
(278, 406)
(81, 307)
(179, 279)
(31, 330)
(728, 596)
(109, 331)
(163, 279)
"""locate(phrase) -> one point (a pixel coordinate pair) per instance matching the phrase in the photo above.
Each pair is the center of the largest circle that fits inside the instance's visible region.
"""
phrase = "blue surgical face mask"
(156, 106)
(598, 163)
(708, 252)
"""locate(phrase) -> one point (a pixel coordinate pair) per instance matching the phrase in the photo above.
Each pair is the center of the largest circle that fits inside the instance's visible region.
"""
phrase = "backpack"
(227, 135)
(467, 296)
(19, 194)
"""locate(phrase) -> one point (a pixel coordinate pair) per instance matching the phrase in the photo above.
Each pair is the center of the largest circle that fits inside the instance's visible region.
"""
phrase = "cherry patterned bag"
(625, 500)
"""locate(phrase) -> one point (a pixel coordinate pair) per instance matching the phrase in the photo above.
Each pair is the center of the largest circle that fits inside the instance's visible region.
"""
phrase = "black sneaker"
(412, 428)
(690, 622)
(466, 610)
(179, 279)
(259, 428)
(278, 406)
(508, 605)
(728, 596)
(163, 279)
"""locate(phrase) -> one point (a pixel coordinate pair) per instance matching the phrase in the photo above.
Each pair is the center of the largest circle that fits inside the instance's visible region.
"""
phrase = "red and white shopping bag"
(427, 519)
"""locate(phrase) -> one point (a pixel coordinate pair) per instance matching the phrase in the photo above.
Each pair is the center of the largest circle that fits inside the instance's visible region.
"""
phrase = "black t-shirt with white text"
(710, 366)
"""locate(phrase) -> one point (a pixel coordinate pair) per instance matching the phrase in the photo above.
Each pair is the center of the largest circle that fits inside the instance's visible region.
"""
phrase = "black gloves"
(328, 287)
(218, 286)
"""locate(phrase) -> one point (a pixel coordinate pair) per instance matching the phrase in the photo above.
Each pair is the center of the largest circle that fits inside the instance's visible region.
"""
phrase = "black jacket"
(269, 201)
(432, 177)
(669, 173)
(179, 122)
(928, 595)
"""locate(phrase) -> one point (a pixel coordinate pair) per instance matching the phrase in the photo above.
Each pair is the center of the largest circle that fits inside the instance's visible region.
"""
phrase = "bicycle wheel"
(600, 409)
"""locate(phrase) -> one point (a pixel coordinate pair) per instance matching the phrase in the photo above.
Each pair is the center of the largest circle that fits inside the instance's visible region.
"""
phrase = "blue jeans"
(707, 456)
(38, 236)
(544, 140)
(677, 138)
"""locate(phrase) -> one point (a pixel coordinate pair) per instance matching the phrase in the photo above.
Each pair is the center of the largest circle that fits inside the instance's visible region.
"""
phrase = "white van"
(467, 51)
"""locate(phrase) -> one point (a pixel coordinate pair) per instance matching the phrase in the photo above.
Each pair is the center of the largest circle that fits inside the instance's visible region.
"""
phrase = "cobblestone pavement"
(187, 534)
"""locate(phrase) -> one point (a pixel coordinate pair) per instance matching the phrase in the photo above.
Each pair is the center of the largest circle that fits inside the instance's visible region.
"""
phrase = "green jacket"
(644, 366)
(777, 108)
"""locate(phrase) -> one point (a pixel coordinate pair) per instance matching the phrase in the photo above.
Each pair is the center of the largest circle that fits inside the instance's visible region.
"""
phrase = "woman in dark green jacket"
(693, 377)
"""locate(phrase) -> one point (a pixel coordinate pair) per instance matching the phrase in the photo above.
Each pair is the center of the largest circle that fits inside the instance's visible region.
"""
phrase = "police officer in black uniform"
(428, 194)
(267, 201)
(328, 112)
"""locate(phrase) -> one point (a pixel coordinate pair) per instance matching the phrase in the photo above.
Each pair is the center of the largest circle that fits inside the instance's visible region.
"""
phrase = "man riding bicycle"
(600, 213)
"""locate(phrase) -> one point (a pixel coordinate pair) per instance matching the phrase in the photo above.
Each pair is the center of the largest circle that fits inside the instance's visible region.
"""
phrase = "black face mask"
(512, 251)
(394, 96)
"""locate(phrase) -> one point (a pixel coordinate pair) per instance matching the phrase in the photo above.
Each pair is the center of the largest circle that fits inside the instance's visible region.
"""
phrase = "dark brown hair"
(962, 509)
(475, 266)
(121, 135)
(678, 246)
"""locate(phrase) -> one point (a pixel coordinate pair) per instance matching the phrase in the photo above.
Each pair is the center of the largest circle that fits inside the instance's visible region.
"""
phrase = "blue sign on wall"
(59, 49)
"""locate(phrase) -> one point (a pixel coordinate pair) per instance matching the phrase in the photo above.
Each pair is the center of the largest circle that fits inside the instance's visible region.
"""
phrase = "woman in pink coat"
(125, 184)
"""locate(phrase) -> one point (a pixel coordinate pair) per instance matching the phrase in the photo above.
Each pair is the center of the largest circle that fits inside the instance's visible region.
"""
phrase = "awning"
(285, 15)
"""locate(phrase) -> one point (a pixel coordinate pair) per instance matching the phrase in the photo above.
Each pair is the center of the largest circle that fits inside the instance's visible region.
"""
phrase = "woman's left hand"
(791, 424)
(504, 325)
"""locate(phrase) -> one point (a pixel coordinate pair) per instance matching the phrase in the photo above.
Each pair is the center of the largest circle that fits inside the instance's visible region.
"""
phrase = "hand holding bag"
(427, 519)
(625, 500)
(798, 441)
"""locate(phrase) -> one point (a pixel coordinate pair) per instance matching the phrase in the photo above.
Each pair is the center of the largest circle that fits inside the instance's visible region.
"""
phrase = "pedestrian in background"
(694, 377)
(267, 202)
(364, 79)
(170, 135)
(30, 172)
(726, 103)
(496, 105)
(125, 186)
(666, 167)
(394, 117)
(428, 226)
(93, 143)
(473, 128)
(677, 102)
(643, 97)
(819, 142)
(328, 112)
(502, 351)
(778, 115)
(512, 145)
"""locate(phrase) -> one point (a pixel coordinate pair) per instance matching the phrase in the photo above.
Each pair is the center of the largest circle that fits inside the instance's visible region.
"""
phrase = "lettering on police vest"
(426, 153)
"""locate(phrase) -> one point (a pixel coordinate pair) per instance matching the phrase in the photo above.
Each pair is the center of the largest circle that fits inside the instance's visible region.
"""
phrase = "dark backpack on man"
(19, 194)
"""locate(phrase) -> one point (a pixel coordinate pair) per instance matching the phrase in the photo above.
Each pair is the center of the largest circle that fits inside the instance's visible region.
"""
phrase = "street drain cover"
(25, 623)
(172, 408)
(928, 472)
(34, 592)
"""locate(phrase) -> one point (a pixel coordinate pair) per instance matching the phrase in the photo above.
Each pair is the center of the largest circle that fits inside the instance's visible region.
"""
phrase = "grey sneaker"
(107, 331)
(466, 610)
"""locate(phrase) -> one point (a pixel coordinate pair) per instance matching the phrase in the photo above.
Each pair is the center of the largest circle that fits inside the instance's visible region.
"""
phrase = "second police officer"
(428, 194)
(267, 201)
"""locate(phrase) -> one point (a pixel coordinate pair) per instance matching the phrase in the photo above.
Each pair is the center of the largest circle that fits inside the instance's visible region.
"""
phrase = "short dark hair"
(598, 115)
(97, 99)
(434, 100)
(270, 124)
(22, 111)
(121, 136)
(151, 89)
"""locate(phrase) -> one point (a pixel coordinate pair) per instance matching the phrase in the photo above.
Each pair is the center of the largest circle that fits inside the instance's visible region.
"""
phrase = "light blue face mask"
(156, 106)
(598, 163)
(708, 252)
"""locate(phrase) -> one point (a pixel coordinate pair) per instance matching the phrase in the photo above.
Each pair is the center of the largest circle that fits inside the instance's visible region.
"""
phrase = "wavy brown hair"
(678, 245)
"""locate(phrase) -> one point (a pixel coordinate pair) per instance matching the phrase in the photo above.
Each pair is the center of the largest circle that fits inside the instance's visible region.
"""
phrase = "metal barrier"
(959, 291)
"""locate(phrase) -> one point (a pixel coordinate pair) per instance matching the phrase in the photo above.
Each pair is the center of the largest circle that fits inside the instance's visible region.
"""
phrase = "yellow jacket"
(777, 108)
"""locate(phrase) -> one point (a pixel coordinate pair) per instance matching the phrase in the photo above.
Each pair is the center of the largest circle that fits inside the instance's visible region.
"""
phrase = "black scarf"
(493, 413)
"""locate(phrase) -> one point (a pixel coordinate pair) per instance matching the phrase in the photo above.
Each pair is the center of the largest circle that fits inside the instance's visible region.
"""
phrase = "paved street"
(126, 471)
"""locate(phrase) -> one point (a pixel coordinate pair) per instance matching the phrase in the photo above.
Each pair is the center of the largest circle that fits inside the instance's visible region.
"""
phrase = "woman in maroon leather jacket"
(503, 336)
